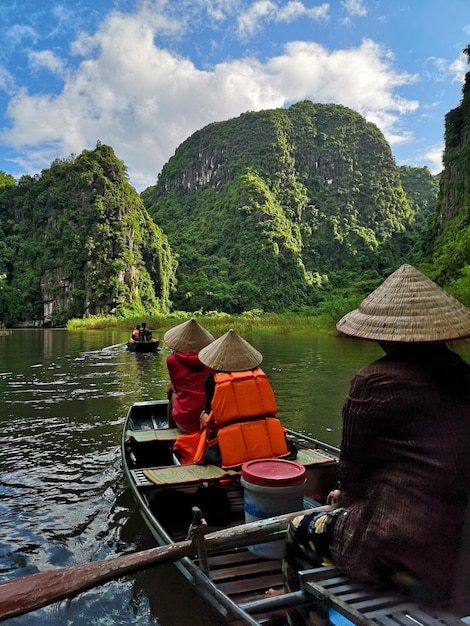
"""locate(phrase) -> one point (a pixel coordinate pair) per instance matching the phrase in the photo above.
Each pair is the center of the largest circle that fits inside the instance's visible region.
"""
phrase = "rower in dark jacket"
(405, 451)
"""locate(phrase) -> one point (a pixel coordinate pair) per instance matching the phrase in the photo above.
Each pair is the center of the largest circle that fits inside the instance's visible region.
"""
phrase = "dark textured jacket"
(405, 465)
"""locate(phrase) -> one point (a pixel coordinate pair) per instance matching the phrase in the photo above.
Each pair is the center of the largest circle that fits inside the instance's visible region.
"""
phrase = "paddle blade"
(22, 595)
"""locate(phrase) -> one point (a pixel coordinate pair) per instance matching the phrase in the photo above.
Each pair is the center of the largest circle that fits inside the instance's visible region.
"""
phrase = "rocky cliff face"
(455, 180)
(446, 246)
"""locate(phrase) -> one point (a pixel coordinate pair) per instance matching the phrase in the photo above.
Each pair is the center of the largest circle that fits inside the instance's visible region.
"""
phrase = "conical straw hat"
(189, 336)
(230, 353)
(408, 307)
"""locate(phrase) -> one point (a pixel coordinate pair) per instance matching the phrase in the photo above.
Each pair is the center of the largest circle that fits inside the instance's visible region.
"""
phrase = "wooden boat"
(143, 346)
(241, 582)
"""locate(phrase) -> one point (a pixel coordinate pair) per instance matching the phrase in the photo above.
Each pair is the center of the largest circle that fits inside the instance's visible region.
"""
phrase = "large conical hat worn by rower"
(408, 307)
(189, 336)
(230, 353)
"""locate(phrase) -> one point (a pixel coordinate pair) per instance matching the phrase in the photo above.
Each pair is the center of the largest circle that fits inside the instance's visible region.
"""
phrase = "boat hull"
(236, 575)
(143, 346)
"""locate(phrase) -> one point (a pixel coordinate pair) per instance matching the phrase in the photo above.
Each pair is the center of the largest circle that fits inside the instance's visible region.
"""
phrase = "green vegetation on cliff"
(77, 241)
(445, 248)
(299, 211)
(276, 209)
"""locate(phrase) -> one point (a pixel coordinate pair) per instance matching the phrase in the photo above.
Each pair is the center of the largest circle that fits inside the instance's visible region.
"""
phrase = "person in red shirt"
(187, 373)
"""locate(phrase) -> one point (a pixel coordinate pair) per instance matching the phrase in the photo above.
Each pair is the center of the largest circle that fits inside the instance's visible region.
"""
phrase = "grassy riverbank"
(321, 319)
(216, 323)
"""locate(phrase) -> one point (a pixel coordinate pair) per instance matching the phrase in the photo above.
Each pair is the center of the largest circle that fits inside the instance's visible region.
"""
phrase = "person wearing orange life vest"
(135, 334)
(240, 407)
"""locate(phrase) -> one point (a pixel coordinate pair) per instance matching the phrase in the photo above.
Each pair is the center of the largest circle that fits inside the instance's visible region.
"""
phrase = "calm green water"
(63, 499)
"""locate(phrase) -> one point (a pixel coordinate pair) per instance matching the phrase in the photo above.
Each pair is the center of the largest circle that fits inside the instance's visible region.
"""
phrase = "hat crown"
(408, 307)
(230, 353)
(189, 336)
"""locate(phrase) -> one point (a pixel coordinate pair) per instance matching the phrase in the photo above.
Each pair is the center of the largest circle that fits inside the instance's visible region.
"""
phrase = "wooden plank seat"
(192, 473)
(154, 434)
(311, 457)
(188, 474)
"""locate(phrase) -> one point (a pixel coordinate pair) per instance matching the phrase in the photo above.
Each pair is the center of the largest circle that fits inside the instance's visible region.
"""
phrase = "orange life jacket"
(242, 420)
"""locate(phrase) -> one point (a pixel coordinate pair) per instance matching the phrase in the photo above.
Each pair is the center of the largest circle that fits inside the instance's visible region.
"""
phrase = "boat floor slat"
(251, 585)
(225, 573)
(368, 600)
(238, 556)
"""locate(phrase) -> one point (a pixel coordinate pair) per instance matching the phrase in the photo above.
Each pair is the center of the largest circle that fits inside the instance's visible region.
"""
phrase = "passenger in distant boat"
(405, 451)
(239, 419)
(135, 334)
(145, 334)
(187, 373)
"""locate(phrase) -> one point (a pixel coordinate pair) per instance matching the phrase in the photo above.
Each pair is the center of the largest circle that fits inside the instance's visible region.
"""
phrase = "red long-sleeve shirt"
(187, 374)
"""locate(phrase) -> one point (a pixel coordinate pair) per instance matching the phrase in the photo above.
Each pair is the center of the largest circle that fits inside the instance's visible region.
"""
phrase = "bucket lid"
(273, 472)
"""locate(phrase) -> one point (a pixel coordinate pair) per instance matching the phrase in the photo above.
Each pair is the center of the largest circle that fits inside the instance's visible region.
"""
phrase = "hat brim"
(230, 353)
(409, 308)
(189, 336)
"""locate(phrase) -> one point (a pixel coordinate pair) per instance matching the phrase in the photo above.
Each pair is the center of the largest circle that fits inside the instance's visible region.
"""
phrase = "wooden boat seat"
(192, 473)
(156, 434)
(188, 474)
(310, 457)
(337, 600)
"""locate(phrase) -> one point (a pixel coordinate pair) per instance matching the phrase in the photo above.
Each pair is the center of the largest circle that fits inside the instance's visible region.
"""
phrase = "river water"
(63, 498)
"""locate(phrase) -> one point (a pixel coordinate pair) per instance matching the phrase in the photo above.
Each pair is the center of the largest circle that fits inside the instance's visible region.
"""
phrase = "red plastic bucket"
(272, 487)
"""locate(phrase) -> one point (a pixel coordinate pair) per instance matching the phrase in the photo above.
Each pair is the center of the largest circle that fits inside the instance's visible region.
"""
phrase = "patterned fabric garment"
(307, 545)
(308, 537)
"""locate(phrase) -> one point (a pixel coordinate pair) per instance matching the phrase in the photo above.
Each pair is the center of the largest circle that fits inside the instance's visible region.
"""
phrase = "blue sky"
(143, 75)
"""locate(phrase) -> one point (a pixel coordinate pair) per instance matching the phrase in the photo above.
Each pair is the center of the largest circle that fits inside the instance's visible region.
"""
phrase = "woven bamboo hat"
(189, 336)
(230, 353)
(408, 307)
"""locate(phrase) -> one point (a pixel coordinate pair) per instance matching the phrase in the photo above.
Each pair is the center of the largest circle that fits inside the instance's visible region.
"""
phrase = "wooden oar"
(21, 595)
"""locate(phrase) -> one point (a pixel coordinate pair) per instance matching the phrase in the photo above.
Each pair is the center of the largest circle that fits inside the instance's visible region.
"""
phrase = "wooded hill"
(279, 210)
(77, 241)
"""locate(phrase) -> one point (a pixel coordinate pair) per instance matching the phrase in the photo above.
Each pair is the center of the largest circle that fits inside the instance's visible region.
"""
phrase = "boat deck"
(336, 599)
(251, 583)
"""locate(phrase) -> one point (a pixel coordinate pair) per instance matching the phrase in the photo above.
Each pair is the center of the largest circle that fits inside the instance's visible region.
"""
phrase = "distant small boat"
(143, 346)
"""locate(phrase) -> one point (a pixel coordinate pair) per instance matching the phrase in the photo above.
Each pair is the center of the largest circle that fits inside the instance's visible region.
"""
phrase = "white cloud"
(458, 68)
(361, 78)
(48, 60)
(354, 8)
(219, 10)
(7, 82)
(18, 34)
(432, 157)
(261, 11)
(144, 100)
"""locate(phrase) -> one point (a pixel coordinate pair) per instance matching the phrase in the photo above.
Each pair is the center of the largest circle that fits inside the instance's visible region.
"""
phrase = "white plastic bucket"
(271, 487)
